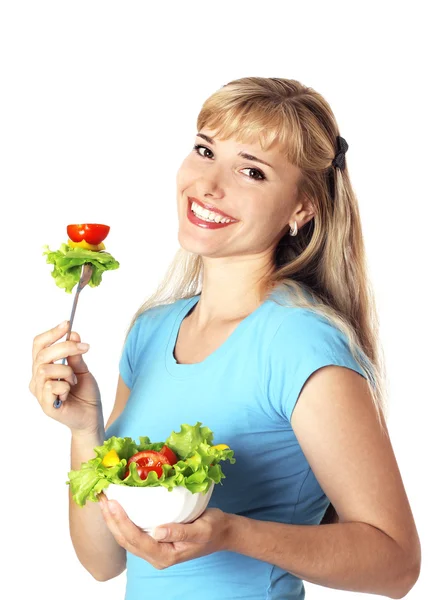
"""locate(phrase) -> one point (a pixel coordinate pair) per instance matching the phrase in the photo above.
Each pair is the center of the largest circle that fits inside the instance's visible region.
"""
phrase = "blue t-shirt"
(245, 391)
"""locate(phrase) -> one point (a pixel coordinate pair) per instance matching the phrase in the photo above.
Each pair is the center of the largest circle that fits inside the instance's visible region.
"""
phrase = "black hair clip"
(337, 162)
(339, 155)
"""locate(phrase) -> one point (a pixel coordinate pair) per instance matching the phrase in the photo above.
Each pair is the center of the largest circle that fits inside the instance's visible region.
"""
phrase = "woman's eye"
(197, 148)
(255, 171)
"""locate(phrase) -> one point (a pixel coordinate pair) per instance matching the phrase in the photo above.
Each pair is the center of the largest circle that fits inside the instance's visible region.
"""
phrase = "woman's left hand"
(172, 543)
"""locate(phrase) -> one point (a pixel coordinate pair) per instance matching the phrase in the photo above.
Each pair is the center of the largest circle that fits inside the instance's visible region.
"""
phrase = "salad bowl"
(150, 507)
(156, 483)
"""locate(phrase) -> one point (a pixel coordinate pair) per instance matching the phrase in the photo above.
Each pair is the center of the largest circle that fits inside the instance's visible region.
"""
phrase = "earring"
(295, 230)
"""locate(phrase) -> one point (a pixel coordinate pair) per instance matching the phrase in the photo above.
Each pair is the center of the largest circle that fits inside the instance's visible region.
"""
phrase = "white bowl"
(149, 507)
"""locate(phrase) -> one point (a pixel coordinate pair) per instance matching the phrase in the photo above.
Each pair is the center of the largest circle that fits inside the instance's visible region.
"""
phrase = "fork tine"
(85, 276)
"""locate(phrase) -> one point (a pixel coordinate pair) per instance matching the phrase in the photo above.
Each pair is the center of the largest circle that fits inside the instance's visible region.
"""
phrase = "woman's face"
(261, 198)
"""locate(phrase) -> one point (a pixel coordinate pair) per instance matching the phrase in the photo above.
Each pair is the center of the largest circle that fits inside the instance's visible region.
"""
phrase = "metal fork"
(85, 276)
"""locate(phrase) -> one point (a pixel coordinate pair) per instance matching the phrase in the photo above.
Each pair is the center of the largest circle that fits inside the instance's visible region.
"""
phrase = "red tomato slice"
(146, 461)
(92, 233)
(143, 470)
(148, 457)
(170, 455)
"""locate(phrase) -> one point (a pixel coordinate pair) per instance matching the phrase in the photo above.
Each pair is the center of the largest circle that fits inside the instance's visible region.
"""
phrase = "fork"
(85, 276)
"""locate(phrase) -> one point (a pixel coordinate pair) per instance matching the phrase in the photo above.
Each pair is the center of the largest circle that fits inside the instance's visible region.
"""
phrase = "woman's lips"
(204, 224)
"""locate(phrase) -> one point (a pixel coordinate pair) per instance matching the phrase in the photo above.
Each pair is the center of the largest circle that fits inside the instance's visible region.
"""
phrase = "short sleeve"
(303, 343)
(129, 351)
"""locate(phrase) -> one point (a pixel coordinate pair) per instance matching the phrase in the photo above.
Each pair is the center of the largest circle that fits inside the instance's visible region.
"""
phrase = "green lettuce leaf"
(188, 439)
(196, 470)
(68, 263)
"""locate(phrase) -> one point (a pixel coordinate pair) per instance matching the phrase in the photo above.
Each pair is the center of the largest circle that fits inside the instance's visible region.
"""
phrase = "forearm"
(346, 556)
(93, 542)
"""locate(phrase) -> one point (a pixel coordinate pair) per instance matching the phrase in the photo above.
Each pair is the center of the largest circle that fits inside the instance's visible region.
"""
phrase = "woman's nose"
(211, 183)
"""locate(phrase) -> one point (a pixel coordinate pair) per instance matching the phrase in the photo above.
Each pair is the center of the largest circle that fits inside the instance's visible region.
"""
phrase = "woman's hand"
(208, 534)
(81, 409)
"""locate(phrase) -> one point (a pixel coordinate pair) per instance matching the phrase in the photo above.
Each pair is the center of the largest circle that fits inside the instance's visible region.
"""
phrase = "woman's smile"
(197, 205)
(206, 219)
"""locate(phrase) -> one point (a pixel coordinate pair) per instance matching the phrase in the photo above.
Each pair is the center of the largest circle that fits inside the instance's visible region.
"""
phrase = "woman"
(269, 339)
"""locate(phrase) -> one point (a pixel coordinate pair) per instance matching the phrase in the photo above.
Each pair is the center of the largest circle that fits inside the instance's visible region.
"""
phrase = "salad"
(85, 245)
(186, 458)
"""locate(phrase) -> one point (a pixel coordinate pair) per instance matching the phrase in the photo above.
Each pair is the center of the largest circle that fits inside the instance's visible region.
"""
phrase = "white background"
(98, 109)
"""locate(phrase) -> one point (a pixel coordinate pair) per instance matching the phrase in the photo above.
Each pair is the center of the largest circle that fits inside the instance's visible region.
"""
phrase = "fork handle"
(58, 402)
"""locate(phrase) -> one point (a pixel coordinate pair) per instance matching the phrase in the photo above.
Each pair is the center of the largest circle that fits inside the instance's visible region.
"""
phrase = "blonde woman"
(265, 329)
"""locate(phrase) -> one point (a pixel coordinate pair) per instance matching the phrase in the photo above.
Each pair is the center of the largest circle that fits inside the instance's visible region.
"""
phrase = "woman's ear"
(305, 213)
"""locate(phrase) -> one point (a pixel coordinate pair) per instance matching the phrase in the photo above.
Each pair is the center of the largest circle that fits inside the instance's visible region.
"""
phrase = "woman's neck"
(223, 306)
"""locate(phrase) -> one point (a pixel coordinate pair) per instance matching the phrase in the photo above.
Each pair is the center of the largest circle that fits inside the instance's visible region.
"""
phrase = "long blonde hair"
(324, 267)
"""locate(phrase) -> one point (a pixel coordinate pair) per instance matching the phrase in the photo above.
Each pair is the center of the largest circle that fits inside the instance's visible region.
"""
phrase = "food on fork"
(186, 459)
(85, 245)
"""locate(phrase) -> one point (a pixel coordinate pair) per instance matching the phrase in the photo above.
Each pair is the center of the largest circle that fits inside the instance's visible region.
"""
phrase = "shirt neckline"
(183, 371)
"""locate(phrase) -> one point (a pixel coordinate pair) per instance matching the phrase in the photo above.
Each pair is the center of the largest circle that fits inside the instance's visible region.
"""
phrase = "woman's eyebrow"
(242, 154)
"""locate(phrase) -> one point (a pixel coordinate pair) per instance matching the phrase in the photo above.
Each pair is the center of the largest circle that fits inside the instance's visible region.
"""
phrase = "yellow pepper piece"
(83, 244)
(221, 447)
(111, 459)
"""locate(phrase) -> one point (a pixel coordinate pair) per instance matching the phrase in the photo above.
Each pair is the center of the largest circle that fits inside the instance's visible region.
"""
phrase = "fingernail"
(159, 533)
(63, 324)
(82, 346)
(75, 380)
(111, 507)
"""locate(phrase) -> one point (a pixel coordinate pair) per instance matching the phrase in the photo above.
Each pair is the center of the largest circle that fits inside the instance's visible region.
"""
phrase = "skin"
(375, 547)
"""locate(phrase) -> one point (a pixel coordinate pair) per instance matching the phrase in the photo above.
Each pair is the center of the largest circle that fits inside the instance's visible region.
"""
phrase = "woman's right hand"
(81, 408)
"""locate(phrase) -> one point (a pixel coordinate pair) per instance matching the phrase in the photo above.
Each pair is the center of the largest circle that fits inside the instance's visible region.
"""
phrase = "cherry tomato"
(170, 455)
(92, 233)
(146, 461)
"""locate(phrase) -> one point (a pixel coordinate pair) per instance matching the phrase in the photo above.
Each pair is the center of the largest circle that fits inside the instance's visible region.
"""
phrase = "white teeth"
(207, 215)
